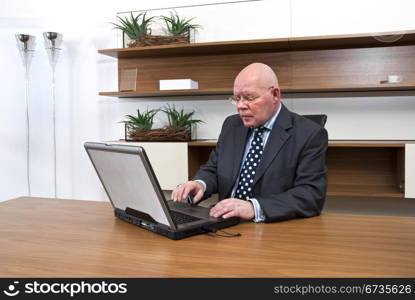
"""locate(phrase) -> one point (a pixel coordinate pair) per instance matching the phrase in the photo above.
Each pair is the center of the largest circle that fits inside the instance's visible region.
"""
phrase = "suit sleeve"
(307, 195)
(208, 172)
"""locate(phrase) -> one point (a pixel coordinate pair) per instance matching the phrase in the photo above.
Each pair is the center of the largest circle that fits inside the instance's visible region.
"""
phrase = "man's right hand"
(192, 188)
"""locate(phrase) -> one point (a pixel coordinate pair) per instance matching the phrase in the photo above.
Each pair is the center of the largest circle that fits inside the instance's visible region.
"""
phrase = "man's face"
(255, 113)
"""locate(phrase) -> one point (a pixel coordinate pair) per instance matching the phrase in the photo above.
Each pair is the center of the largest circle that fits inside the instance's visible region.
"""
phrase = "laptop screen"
(126, 179)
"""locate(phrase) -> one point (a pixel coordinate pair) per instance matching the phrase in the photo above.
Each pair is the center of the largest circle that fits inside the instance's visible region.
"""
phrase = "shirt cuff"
(203, 184)
(259, 213)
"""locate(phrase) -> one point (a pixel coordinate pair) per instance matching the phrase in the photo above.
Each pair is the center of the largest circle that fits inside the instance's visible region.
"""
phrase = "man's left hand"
(233, 207)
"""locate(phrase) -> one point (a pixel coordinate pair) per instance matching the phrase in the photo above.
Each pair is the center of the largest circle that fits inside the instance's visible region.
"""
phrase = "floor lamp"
(53, 40)
(26, 45)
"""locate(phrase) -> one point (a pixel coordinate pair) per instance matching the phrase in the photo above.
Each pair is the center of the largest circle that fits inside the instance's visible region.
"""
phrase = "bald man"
(269, 163)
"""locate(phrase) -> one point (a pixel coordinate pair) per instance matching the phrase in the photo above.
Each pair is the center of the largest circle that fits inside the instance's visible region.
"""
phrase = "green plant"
(134, 27)
(143, 121)
(178, 26)
(179, 119)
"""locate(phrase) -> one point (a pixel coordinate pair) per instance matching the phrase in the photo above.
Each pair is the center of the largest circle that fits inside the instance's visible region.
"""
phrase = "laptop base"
(172, 234)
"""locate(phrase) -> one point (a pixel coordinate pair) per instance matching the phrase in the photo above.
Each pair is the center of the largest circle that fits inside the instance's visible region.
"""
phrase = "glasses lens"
(234, 99)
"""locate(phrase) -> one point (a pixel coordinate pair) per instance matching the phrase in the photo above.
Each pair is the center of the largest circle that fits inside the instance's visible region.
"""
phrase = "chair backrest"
(319, 119)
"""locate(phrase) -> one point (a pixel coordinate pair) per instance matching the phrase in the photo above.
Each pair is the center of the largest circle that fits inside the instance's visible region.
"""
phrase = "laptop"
(135, 194)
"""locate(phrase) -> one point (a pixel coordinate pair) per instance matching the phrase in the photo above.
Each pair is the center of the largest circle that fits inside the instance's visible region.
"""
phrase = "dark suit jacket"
(291, 179)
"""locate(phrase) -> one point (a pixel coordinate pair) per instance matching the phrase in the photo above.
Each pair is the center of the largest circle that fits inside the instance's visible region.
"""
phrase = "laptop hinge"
(139, 214)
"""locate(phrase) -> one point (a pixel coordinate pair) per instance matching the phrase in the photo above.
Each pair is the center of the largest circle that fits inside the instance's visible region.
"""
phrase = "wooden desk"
(68, 238)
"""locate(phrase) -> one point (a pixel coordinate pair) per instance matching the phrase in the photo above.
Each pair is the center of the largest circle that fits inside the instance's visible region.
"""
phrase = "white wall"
(84, 116)
(326, 17)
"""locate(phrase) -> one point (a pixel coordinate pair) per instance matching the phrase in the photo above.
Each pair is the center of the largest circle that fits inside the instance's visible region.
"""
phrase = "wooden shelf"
(268, 45)
(356, 167)
(246, 46)
(226, 91)
(367, 143)
(332, 143)
(309, 64)
(202, 143)
(387, 191)
(134, 94)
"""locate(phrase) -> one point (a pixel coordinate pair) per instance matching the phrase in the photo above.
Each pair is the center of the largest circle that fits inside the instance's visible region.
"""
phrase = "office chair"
(319, 119)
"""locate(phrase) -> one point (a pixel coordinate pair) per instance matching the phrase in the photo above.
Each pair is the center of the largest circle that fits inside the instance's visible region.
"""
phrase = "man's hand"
(233, 207)
(192, 188)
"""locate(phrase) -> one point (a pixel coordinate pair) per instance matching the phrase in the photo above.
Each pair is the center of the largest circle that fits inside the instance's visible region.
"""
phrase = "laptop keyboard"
(181, 218)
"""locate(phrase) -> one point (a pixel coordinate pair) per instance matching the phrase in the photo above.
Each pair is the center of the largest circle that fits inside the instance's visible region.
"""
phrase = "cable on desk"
(220, 233)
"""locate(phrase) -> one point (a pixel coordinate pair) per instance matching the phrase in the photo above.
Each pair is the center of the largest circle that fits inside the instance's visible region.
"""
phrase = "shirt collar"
(270, 123)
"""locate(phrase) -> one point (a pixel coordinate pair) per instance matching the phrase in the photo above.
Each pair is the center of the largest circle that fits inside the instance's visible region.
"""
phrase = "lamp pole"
(53, 41)
(26, 44)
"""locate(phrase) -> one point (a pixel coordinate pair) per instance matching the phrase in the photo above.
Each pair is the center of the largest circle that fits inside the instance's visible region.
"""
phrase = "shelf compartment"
(356, 168)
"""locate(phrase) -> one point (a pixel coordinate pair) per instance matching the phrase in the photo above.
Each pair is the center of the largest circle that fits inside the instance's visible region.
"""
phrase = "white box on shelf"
(178, 84)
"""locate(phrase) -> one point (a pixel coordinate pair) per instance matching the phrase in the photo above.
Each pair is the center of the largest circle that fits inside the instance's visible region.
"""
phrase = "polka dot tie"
(246, 178)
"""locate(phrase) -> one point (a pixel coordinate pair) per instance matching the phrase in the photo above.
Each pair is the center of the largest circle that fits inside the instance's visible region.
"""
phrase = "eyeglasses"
(248, 99)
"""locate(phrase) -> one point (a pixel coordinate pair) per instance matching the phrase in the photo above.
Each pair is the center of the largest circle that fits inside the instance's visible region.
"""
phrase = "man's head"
(256, 82)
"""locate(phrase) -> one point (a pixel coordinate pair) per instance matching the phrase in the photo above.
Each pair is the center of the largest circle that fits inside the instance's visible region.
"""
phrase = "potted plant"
(138, 31)
(180, 123)
(137, 127)
(178, 32)
(136, 28)
(179, 27)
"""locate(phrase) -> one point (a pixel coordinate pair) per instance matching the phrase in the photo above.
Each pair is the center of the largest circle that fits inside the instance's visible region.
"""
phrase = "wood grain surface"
(68, 238)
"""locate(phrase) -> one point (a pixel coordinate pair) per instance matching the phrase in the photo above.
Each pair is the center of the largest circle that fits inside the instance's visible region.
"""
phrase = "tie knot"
(260, 130)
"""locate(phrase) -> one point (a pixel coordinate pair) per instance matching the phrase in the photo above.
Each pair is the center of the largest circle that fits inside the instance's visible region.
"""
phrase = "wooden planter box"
(167, 134)
(156, 40)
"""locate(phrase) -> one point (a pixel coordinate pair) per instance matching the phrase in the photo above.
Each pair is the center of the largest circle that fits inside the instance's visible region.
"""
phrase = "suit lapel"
(277, 138)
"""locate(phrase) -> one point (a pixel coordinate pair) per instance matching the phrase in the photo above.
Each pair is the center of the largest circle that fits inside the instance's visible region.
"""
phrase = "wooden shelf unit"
(356, 168)
(133, 94)
(311, 64)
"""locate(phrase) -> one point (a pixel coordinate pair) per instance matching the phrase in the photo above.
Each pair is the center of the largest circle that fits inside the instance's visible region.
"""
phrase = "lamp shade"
(53, 40)
(26, 44)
